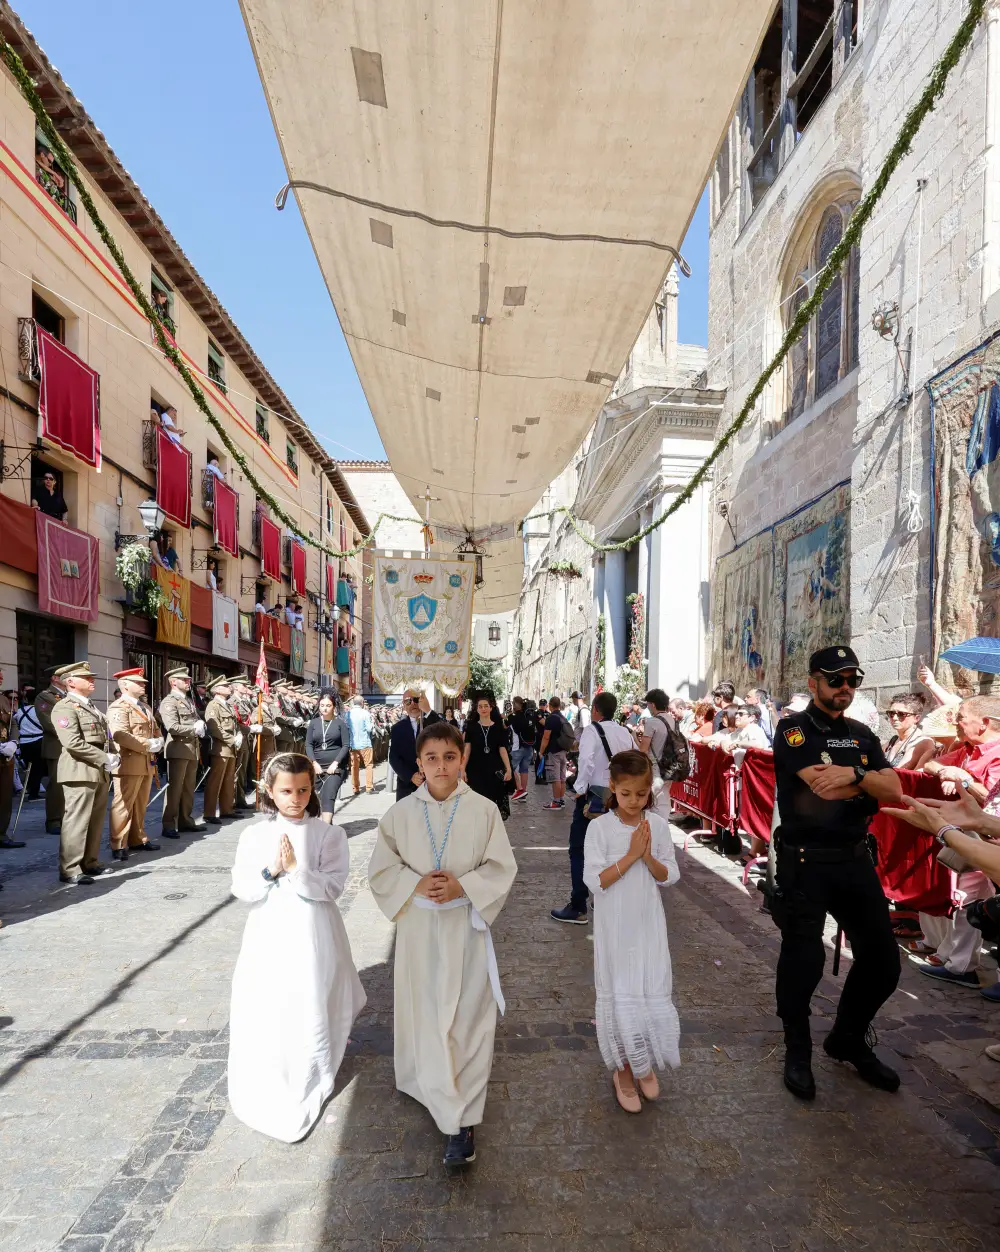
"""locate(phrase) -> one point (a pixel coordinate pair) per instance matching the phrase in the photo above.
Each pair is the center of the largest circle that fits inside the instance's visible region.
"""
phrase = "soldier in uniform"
(51, 749)
(831, 776)
(185, 730)
(9, 731)
(84, 772)
(245, 708)
(286, 719)
(136, 735)
(224, 727)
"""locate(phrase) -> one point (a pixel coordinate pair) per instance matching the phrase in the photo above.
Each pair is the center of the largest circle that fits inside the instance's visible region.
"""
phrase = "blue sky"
(175, 90)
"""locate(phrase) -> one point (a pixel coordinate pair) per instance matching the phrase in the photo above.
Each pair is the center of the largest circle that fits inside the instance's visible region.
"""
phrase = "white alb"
(636, 1018)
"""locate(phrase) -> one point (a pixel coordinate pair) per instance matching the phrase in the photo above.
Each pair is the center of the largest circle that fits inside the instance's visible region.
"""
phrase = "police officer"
(84, 771)
(185, 730)
(831, 776)
(224, 728)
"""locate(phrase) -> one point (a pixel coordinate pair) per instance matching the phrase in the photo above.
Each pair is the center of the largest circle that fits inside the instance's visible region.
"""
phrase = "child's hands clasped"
(285, 861)
(439, 886)
(640, 844)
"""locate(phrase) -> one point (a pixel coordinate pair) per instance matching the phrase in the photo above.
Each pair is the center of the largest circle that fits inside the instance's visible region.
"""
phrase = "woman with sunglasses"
(908, 747)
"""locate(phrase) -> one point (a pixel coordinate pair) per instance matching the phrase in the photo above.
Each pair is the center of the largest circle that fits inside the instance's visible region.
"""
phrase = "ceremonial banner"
(299, 568)
(297, 654)
(270, 549)
(225, 627)
(268, 630)
(704, 790)
(331, 581)
(68, 577)
(422, 622)
(69, 400)
(173, 480)
(173, 621)
(745, 631)
(224, 517)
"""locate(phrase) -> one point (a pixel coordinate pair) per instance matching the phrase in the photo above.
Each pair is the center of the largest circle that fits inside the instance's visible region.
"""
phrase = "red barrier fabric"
(907, 858)
(173, 480)
(299, 569)
(267, 630)
(69, 401)
(270, 549)
(20, 542)
(224, 522)
(704, 789)
(757, 793)
(68, 574)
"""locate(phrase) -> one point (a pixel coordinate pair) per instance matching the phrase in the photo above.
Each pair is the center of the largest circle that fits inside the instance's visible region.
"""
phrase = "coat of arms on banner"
(422, 621)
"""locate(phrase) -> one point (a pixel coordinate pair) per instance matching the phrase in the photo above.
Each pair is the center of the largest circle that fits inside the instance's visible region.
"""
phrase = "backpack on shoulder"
(675, 760)
(566, 740)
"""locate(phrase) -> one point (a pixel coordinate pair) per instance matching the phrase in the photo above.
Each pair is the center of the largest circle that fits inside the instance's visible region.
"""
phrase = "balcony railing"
(149, 444)
(215, 374)
(55, 184)
(207, 489)
(28, 369)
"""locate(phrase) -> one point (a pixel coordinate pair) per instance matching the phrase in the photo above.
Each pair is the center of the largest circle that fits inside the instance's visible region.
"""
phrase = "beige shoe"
(629, 1101)
(649, 1086)
(993, 1051)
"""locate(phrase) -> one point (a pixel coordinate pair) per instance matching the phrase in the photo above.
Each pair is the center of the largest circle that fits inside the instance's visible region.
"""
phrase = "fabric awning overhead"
(485, 358)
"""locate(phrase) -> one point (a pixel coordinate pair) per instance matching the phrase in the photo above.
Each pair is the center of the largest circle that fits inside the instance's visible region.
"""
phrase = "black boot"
(798, 1073)
(460, 1149)
(858, 1052)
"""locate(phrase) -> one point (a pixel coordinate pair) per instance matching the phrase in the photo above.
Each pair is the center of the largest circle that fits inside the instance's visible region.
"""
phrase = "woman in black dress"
(328, 746)
(487, 759)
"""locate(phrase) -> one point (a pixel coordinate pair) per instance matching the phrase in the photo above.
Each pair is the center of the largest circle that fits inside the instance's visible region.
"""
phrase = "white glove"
(113, 760)
(297, 721)
(154, 746)
(199, 729)
(239, 740)
(8, 749)
(255, 729)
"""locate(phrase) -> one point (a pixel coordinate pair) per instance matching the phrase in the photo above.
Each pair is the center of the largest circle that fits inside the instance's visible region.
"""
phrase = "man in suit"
(185, 730)
(51, 748)
(417, 713)
(84, 771)
(227, 738)
(137, 739)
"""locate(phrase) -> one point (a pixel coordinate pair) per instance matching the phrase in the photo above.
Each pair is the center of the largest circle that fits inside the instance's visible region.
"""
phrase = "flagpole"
(260, 722)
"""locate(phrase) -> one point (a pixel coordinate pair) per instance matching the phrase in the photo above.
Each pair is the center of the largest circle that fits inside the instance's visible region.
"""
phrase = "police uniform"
(824, 865)
(185, 729)
(84, 773)
(223, 725)
(136, 735)
(51, 751)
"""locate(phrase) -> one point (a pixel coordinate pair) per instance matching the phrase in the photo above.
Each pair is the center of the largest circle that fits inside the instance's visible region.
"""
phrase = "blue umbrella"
(981, 654)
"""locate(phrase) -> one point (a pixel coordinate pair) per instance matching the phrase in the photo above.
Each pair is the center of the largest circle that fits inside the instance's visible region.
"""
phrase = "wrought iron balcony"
(28, 369)
(53, 181)
(207, 489)
(149, 444)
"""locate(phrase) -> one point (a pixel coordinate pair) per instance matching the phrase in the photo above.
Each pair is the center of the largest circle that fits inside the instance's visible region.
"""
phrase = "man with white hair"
(360, 722)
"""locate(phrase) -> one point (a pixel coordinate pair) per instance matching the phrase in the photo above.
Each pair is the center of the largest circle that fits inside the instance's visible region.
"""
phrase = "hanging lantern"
(494, 632)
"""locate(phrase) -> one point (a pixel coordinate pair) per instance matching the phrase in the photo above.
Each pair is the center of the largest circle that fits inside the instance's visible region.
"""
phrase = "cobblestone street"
(115, 1131)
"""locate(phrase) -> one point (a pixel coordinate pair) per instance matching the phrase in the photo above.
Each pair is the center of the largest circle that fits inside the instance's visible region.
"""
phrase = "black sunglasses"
(899, 713)
(838, 680)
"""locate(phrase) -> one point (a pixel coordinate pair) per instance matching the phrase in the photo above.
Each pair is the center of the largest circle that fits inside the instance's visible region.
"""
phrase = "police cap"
(832, 660)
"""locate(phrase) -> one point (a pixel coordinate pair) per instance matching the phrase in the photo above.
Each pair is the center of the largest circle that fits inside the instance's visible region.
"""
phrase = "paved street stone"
(116, 1135)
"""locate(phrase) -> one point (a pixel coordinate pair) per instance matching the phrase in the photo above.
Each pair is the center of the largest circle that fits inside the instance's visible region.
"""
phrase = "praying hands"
(440, 886)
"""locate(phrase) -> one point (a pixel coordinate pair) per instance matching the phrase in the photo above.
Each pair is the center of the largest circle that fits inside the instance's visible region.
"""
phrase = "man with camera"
(831, 776)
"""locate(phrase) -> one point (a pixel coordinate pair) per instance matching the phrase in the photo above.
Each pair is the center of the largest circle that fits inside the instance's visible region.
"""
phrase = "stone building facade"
(827, 506)
(57, 275)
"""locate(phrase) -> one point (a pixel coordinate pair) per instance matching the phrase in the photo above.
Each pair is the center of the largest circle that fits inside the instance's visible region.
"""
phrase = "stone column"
(678, 580)
(645, 515)
(991, 189)
(614, 614)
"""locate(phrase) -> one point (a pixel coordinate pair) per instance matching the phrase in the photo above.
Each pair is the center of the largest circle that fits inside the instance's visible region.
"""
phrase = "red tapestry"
(267, 630)
(20, 544)
(68, 576)
(225, 526)
(270, 549)
(299, 569)
(201, 607)
(285, 638)
(173, 480)
(331, 584)
(69, 401)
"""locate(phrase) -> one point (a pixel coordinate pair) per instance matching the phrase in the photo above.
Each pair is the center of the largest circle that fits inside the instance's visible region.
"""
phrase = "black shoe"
(460, 1149)
(569, 914)
(191, 829)
(209, 821)
(169, 834)
(119, 854)
(859, 1054)
(12, 843)
(147, 846)
(799, 1076)
(77, 880)
(53, 828)
(94, 870)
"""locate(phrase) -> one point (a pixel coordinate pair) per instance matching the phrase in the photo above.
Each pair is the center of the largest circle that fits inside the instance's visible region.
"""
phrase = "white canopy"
(485, 359)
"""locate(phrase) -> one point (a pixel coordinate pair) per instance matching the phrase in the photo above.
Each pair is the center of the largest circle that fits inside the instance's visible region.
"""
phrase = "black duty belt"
(814, 854)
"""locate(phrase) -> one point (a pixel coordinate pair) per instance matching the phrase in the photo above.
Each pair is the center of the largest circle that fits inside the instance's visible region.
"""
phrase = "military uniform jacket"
(180, 716)
(813, 738)
(132, 727)
(220, 717)
(284, 718)
(85, 741)
(44, 704)
(9, 729)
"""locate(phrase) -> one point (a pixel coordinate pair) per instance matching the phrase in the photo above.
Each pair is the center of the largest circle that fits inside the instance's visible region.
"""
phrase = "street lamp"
(152, 516)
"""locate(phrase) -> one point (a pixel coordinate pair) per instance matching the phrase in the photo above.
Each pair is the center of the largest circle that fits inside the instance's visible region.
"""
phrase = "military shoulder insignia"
(63, 722)
(794, 737)
(826, 758)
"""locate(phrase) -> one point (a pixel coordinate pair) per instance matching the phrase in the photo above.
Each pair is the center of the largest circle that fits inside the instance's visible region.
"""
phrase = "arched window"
(827, 349)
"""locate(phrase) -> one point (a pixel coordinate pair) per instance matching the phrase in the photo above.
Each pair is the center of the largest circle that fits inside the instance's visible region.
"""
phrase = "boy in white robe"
(441, 870)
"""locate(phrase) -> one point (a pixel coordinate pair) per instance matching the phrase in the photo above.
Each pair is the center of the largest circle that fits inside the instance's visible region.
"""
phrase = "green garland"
(169, 349)
(859, 219)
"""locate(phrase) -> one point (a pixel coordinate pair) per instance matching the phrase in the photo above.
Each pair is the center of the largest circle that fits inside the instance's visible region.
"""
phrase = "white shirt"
(84, 700)
(582, 719)
(214, 469)
(592, 770)
(751, 736)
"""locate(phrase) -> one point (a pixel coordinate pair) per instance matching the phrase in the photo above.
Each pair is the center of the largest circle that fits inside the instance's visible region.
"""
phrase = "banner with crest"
(422, 621)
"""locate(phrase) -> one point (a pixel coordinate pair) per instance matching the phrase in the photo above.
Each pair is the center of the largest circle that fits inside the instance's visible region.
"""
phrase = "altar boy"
(441, 870)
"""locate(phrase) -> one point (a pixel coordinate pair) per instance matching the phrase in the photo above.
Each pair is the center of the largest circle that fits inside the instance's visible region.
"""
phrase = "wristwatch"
(940, 836)
(267, 876)
(859, 774)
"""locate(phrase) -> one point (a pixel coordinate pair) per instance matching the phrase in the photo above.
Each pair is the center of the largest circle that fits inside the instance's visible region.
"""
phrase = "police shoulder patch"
(794, 737)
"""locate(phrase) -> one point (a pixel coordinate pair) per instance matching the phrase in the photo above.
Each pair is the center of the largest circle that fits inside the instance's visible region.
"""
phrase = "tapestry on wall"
(422, 622)
(782, 594)
(965, 408)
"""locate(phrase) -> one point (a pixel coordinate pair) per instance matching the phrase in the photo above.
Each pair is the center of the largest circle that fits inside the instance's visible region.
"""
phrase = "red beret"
(137, 675)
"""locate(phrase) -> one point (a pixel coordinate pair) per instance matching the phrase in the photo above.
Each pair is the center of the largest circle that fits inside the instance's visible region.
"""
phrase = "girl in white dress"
(628, 855)
(296, 992)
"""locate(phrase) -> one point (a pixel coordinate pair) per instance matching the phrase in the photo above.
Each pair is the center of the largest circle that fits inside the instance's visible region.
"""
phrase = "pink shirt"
(981, 761)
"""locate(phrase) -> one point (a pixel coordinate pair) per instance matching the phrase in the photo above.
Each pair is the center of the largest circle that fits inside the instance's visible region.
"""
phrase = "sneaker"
(552, 805)
(970, 979)
(991, 993)
(460, 1149)
(523, 796)
(569, 914)
(519, 794)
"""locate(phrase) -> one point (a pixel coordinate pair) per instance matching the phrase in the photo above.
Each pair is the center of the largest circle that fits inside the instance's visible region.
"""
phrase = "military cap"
(51, 669)
(832, 660)
(77, 669)
(222, 681)
(181, 671)
(239, 680)
(134, 675)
